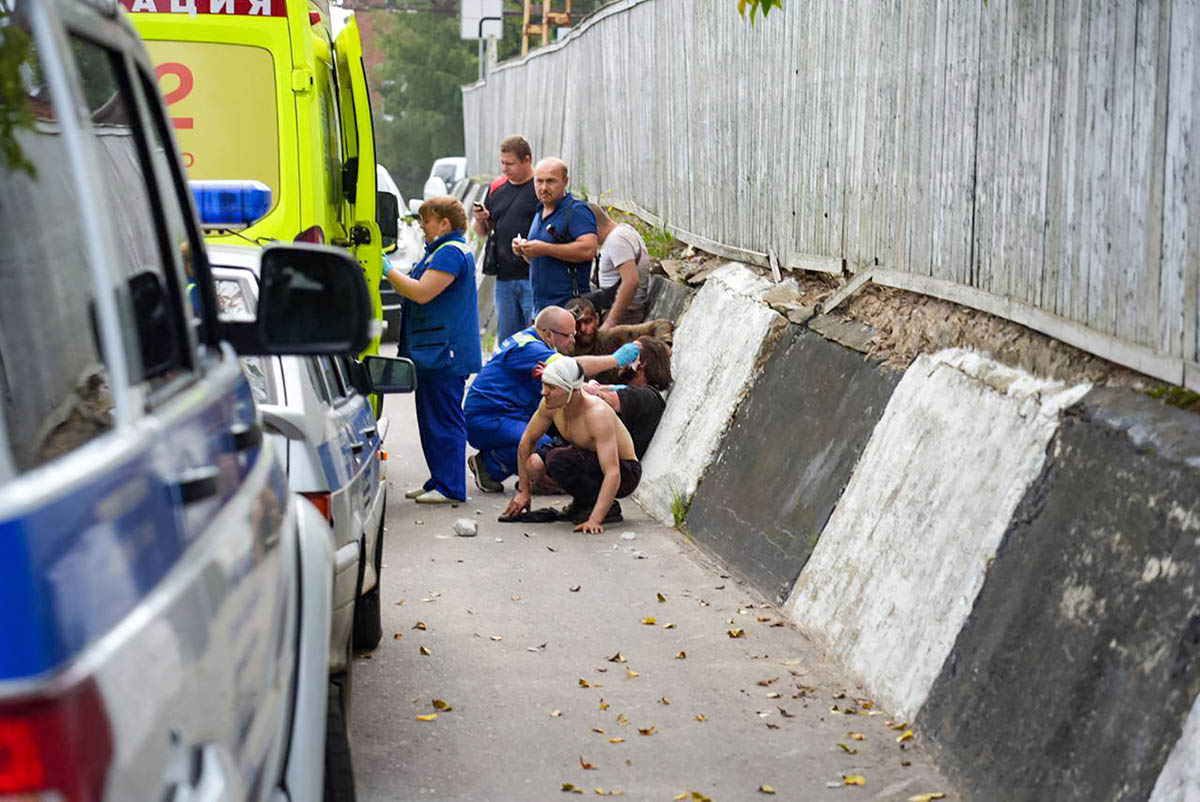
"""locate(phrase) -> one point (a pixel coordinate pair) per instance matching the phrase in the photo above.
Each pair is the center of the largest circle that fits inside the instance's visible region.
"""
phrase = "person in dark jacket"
(440, 335)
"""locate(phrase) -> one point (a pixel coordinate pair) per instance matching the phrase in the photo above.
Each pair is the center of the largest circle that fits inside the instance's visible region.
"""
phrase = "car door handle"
(368, 432)
(197, 484)
(246, 436)
(357, 446)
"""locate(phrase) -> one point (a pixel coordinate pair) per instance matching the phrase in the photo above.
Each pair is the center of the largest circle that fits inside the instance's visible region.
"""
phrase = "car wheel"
(339, 769)
(368, 619)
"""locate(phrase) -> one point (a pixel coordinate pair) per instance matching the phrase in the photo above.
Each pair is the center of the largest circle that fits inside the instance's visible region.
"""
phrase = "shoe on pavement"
(436, 497)
(483, 479)
(416, 491)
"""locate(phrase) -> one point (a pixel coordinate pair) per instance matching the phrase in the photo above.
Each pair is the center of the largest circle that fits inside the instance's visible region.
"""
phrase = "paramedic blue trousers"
(443, 430)
(497, 437)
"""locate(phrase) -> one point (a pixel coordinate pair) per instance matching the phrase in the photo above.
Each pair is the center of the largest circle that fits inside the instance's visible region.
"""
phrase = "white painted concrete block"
(1179, 780)
(713, 361)
(897, 568)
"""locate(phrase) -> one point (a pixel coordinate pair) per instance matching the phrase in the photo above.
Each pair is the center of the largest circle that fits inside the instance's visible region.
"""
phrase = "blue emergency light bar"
(230, 204)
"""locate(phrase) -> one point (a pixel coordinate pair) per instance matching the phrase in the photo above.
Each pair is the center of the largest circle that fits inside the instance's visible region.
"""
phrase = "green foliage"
(755, 5)
(419, 76)
(679, 508)
(660, 243)
(509, 45)
(16, 51)
(1176, 397)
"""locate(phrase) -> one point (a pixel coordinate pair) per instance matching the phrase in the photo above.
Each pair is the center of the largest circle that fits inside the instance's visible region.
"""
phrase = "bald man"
(562, 239)
(507, 390)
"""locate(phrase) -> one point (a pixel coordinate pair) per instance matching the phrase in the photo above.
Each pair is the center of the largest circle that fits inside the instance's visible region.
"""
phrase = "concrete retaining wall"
(717, 350)
(1081, 660)
(1012, 563)
(667, 299)
(899, 565)
(782, 466)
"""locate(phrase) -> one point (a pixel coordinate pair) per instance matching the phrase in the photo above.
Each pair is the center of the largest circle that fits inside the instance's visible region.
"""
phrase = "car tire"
(368, 615)
(339, 768)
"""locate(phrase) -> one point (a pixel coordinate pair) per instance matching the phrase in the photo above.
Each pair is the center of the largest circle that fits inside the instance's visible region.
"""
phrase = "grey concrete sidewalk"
(599, 661)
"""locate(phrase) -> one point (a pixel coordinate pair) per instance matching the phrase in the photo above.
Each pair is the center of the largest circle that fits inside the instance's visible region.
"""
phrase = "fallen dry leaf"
(857, 736)
(769, 681)
(896, 725)
(779, 624)
(571, 787)
(762, 619)
(427, 717)
(441, 704)
(630, 673)
(647, 731)
(616, 740)
(515, 598)
(700, 717)
(399, 603)
(539, 648)
(555, 713)
(584, 683)
(616, 658)
(420, 625)
(425, 651)
(848, 750)
(771, 726)
(668, 626)
(621, 719)
(664, 700)
(926, 797)
(854, 779)
(574, 588)
(736, 633)
(586, 766)
(904, 736)
(497, 638)
(603, 705)
(681, 656)
(661, 598)
(766, 789)
(398, 636)
(772, 694)
(649, 621)
(597, 730)
(785, 713)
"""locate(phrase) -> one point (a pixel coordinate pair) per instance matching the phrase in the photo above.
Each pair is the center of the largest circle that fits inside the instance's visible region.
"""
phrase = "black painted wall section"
(667, 299)
(785, 460)
(1074, 674)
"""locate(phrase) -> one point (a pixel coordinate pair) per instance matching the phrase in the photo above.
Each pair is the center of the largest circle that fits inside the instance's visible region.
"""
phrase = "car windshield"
(221, 98)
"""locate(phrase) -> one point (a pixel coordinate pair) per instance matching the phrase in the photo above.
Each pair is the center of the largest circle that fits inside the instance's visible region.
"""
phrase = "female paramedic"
(440, 335)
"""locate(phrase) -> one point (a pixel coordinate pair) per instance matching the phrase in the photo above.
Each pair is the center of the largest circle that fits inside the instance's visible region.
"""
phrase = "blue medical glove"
(627, 354)
(387, 265)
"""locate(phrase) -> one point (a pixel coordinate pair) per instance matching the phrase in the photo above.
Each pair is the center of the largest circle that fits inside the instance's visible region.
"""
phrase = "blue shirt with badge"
(507, 384)
(441, 336)
(554, 281)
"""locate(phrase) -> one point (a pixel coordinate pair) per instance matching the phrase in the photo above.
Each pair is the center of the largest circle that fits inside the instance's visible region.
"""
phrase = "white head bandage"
(564, 372)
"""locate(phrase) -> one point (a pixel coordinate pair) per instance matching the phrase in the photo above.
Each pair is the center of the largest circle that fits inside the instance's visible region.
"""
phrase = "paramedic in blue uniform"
(508, 389)
(562, 239)
(440, 335)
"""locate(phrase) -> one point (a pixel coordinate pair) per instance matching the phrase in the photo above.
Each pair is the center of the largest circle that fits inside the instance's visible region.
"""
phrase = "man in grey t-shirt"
(624, 272)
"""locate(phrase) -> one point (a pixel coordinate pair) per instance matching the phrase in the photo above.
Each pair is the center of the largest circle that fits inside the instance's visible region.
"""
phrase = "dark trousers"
(443, 430)
(578, 472)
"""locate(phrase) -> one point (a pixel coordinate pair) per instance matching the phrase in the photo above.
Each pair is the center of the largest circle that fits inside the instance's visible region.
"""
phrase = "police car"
(316, 410)
(164, 600)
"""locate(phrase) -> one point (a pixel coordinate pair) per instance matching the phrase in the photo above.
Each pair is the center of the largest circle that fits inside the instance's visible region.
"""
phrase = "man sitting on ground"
(506, 392)
(598, 467)
(639, 402)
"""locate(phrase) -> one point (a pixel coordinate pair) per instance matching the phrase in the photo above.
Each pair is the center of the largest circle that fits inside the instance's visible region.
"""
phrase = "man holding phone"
(505, 214)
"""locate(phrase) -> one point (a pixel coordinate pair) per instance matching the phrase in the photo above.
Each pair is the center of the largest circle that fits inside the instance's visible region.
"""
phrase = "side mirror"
(390, 374)
(387, 214)
(312, 300)
(414, 207)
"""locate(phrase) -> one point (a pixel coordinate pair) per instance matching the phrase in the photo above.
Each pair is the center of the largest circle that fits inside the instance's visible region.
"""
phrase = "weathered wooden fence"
(1037, 160)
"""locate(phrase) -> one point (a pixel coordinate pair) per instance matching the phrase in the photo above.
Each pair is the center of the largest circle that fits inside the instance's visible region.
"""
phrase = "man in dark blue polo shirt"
(562, 240)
